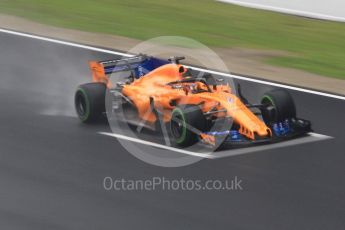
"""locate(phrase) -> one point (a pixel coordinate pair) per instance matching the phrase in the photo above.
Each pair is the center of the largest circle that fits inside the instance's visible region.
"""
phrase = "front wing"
(282, 131)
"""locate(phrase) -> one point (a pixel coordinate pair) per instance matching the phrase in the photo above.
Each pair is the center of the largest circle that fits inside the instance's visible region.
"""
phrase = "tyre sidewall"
(94, 96)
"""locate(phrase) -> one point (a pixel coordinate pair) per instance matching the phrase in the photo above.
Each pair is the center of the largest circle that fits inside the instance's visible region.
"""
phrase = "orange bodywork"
(154, 87)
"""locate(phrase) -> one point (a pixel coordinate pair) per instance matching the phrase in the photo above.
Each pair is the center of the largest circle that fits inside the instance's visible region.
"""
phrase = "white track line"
(64, 42)
(272, 84)
(285, 11)
(200, 69)
(312, 137)
(139, 141)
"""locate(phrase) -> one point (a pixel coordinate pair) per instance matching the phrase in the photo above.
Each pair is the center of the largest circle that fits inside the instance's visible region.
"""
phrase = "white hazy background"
(322, 9)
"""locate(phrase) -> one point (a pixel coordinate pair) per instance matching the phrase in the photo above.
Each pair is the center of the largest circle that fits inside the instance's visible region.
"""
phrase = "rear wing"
(137, 65)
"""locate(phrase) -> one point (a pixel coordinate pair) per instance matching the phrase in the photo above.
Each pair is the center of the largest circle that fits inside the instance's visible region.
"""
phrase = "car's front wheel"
(278, 106)
(187, 121)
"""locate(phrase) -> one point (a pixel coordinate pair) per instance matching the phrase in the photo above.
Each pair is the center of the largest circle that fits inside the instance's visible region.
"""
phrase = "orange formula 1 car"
(160, 93)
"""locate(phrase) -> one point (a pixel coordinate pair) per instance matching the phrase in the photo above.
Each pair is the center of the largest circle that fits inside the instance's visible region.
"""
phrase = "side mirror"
(175, 59)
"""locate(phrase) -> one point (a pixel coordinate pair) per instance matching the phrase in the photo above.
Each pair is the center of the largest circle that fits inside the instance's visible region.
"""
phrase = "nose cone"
(262, 131)
(250, 124)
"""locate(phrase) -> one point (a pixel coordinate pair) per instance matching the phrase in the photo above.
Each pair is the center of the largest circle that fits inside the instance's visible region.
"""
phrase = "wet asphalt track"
(52, 167)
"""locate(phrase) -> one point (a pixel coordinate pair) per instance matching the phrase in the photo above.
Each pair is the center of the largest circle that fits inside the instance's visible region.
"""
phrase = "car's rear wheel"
(279, 106)
(89, 101)
(187, 121)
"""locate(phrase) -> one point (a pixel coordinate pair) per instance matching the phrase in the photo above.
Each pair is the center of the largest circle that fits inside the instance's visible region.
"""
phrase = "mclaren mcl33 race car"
(159, 93)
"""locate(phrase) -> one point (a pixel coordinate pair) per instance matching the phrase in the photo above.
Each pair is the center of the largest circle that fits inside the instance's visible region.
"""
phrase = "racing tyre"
(89, 101)
(279, 106)
(186, 123)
